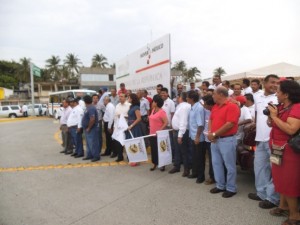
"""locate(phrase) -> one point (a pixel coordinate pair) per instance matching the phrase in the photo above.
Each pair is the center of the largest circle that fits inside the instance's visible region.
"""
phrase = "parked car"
(39, 110)
(11, 111)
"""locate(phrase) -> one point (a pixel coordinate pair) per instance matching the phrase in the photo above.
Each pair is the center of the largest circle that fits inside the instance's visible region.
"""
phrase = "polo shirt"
(169, 108)
(221, 114)
(262, 129)
(156, 120)
(89, 112)
(196, 119)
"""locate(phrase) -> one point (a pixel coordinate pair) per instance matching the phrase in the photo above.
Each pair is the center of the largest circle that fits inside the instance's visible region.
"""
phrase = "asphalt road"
(38, 186)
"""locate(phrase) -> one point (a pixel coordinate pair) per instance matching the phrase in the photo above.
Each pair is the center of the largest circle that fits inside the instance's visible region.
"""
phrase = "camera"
(266, 111)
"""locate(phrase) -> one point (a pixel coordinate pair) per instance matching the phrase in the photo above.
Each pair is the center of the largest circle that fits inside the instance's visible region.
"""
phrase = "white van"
(11, 111)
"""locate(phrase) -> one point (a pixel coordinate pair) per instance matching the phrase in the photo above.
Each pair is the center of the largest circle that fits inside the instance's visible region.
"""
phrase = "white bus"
(56, 98)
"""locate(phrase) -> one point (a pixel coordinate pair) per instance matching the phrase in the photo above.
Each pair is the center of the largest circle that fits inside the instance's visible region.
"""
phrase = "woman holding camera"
(285, 122)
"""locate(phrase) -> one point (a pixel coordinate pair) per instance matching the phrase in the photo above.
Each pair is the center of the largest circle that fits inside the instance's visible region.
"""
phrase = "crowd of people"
(211, 120)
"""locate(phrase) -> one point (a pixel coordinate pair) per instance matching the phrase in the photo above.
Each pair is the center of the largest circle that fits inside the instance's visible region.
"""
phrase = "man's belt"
(226, 136)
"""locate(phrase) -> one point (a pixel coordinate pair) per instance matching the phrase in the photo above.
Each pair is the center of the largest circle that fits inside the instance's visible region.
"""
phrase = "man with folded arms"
(222, 127)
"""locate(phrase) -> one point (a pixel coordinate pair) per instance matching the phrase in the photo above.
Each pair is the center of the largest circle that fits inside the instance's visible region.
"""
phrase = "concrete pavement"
(107, 194)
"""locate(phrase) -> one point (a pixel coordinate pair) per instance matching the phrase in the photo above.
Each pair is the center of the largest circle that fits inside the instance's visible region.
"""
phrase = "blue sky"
(237, 35)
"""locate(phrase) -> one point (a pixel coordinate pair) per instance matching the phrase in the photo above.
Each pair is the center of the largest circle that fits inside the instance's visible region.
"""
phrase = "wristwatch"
(214, 134)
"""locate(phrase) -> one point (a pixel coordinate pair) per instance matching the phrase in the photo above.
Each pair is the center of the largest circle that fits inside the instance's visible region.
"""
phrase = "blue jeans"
(92, 143)
(263, 177)
(77, 140)
(223, 151)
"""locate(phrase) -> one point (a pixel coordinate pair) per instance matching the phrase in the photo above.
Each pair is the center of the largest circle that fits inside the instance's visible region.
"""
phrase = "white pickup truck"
(11, 111)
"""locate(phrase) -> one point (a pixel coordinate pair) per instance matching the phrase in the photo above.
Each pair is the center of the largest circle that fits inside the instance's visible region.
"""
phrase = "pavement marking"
(57, 137)
(5, 120)
(65, 166)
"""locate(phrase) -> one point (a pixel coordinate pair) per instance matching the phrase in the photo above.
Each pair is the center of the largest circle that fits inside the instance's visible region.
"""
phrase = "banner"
(136, 150)
(119, 130)
(35, 70)
(146, 67)
(164, 148)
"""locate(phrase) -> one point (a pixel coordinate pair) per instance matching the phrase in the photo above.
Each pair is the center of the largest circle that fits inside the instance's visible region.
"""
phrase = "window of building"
(110, 77)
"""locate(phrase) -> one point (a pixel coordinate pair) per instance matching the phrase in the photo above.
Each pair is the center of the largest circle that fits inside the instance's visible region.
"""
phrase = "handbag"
(294, 142)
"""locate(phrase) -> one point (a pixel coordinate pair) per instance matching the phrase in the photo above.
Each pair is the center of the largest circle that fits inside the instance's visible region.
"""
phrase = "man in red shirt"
(122, 89)
(222, 127)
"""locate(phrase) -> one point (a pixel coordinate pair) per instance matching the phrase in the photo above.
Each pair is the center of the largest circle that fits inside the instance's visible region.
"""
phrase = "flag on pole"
(36, 71)
(164, 148)
(136, 150)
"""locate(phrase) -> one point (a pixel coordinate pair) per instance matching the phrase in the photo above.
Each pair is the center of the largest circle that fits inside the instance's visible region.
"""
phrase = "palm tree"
(24, 71)
(180, 66)
(113, 66)
(99, 61)
(54, 67)
(219, 71)
(71, 63)
(192, 74)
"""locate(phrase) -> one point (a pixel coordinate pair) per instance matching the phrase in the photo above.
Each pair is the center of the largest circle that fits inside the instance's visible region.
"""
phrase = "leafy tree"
(24, 70)
(53, 67)
(192, 73)
(219, 71)
(113, 66)
(8, 81)
(180, 66)
(71, 64)
(99, 61)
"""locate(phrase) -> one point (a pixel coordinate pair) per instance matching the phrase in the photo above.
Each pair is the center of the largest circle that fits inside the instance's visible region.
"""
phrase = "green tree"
(219, 71)
(71, 64)
(99, 61)
(53, 67)
(180, 66)
(24, 70)
(113, 66)
(192, 74)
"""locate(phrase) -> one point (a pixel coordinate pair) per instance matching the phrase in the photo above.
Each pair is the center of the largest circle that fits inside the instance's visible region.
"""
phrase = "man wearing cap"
(74, 125)
(222, 127)
(89, 125)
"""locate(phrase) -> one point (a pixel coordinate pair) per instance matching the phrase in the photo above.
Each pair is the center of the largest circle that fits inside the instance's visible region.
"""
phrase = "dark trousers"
(154, 150)
(108, 149)
(208, 150)
(66, 138)
(181, 151)
(25, 114)
(145, 124)
(100, 135)
(118, 148)
(198, 159)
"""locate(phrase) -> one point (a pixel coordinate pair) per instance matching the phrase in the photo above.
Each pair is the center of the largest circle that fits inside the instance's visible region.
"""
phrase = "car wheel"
(12, 116)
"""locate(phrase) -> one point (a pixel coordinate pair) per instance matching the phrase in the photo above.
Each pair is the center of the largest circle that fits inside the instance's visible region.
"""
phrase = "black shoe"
(200, 181)
(186, 173)
(254, 196)
(119, 160)
(95, 159)
(174, 170)
(78, 156)
(192, 176)
(87, 158)
(265, 204)
(68, 152)
(153, 168)
(104, 154)
(216, 190)
(63, 151)
(162, 169)
(113, 156)
(228, 194)
(74, 154)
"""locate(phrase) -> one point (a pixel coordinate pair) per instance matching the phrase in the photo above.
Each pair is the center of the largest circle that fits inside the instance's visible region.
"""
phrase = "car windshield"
(15, 107)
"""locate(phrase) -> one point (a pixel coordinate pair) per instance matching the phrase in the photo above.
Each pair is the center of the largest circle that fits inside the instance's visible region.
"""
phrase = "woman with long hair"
(285, 122)
(157, 121)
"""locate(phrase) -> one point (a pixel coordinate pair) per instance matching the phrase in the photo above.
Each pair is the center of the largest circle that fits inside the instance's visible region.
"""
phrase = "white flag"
(164, 148)
(136, 150)
(119, 130)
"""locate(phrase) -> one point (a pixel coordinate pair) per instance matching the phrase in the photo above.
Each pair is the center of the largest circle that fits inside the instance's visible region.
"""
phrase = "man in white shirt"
(226, 83)
(250, 105)
(121, 109)
(265, 192)
(145, 111)
(245, 118)
(246, 86)
(65, 134)
(74, 125)
(108, 119)
(181, 134)
(217, 82)
(255, 85)
(104, 94)
(25, 110)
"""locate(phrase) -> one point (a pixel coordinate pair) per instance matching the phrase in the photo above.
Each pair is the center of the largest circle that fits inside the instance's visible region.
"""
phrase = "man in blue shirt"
(89, 125)
(196, 140)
